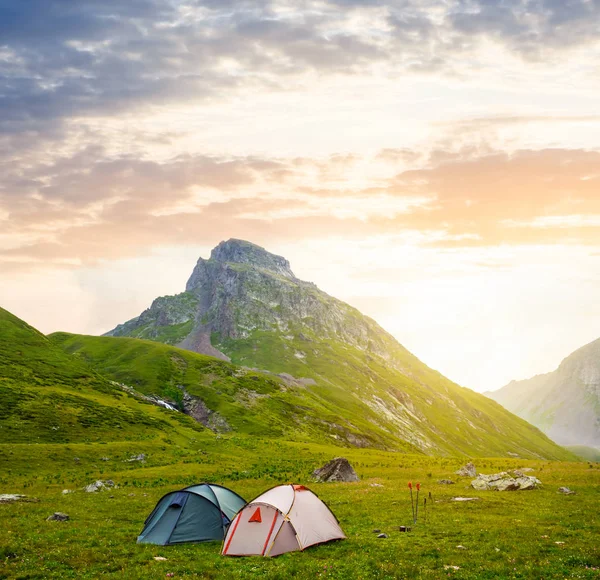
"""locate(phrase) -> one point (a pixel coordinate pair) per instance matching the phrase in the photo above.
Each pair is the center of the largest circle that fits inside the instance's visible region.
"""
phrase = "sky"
(435, 164)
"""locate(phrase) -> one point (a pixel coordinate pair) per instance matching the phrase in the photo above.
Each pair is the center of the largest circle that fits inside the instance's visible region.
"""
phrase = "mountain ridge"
(564, 403)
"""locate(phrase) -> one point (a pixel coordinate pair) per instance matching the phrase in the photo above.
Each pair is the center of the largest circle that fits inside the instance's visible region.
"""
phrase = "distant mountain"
(565, 403)
(245, 304)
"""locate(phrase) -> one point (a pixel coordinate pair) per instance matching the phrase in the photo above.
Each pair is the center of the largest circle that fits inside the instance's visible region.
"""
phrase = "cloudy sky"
(434, 163)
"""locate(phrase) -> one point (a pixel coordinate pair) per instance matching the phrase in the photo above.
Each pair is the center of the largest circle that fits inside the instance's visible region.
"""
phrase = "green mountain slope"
(565, 403)
(49, 396)
(246, 305)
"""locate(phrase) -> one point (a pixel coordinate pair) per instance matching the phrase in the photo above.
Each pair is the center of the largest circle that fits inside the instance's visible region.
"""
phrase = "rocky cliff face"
(565, 404)
(245, 304)
(243, 289)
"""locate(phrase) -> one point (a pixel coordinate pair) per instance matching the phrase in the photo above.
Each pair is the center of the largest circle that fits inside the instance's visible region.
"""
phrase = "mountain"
(49, 396)
(565, 403)
(245, 304)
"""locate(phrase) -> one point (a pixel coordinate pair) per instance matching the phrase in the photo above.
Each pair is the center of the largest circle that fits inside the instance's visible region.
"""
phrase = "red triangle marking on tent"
(256, 516)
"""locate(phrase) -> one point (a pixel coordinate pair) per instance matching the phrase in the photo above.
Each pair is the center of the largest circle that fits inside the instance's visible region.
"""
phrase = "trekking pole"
(411, 500)
(417, 511)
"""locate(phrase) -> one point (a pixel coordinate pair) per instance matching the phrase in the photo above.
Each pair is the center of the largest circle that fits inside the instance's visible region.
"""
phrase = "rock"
(140, 457)
(512, 454)
(160, 558)
(467, 470)
(105, 459)
(376, 531)
(57, 517)
(338, 469)
(375, 485)
(565, 490)
(504, 482)
(465, 498)
(526, 469)
(446, 482)
(99, 485)
(14, 497)
(382, 536)
(67, 491)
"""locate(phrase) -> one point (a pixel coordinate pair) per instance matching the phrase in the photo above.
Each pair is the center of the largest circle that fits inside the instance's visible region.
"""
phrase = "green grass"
(63, 425)
(505, 535)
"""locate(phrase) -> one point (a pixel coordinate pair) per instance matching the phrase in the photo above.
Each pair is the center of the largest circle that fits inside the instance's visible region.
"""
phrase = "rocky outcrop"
(338, 469)
(242, 289)
(505, 482)
(197, 409)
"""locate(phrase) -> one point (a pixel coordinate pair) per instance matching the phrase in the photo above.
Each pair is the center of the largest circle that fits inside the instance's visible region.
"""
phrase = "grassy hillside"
(355, 400)
(251, 402)
(50, 396)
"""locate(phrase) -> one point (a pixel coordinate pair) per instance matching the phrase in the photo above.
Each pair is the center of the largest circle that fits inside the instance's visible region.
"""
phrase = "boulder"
(504, 482)
(467, 470)
(57, 517)
(338, 469)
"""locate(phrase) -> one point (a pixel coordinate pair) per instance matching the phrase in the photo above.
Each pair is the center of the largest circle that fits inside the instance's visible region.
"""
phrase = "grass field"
(534, 534)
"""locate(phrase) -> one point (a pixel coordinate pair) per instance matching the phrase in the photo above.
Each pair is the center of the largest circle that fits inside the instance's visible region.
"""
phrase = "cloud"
(89, 207)
(62, 59)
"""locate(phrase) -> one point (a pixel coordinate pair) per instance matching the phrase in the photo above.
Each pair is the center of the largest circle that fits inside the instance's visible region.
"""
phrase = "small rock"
(467, 470)
(450, 567)
(446, 482)
(338, 469)
(99, 485)
(376, 531)
(105, 459)
(12, 497)
(160, 558)
(565, 490)
(559, 543)
(382, 536)
(141, 457)
(512, 454)
(461, 547)
(376, 485)
(67, 491)
(57, 517)
(465, 498)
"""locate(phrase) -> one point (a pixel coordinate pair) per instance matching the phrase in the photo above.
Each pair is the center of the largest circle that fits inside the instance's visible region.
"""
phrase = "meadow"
(527, 534)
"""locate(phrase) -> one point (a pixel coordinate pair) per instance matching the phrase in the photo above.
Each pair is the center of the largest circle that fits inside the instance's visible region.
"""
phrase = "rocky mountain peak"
(242, 252)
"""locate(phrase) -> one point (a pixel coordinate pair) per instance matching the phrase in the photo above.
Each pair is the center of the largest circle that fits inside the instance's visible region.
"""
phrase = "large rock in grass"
(504, 482)
(338, 469)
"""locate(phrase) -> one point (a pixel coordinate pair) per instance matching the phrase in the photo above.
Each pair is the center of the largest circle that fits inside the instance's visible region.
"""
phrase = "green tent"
(198, 513)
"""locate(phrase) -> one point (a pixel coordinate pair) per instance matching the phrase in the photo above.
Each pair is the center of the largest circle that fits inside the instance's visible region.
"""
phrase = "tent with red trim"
(285, 518)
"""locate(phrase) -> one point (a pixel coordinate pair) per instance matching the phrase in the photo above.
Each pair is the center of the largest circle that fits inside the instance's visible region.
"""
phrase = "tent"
(198, 513)
(283, 519)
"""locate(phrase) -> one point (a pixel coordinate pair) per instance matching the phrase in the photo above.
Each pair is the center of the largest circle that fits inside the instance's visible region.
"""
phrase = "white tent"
(283, 519)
